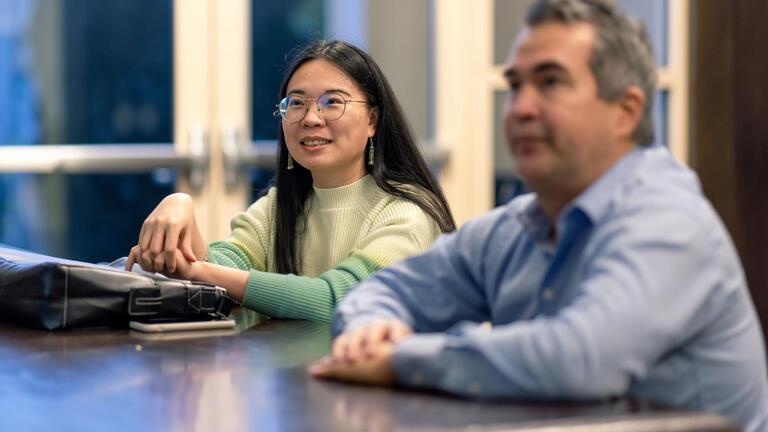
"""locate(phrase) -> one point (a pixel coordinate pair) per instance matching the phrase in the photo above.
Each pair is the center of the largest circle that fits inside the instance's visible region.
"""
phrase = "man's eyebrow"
(549, 66)
(546, 66)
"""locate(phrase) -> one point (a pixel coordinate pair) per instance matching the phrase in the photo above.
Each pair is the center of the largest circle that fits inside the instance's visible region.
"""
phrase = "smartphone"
(181, 325)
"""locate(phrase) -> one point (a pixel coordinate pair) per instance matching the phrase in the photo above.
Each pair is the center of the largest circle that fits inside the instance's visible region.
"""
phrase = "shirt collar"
(533, 218)
(594, 201)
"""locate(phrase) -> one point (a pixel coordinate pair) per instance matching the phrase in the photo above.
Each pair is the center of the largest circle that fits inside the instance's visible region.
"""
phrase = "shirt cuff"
(440, 361)
(416, 362)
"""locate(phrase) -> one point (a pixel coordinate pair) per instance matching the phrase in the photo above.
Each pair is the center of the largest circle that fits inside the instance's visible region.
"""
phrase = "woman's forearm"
(232, 279)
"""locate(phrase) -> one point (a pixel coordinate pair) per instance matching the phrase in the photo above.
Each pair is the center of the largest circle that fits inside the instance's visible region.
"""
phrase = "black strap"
(180, 299)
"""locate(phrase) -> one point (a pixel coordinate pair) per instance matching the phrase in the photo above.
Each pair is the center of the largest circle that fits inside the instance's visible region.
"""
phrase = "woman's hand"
(170, 227)
(232, 279)
(185, 268)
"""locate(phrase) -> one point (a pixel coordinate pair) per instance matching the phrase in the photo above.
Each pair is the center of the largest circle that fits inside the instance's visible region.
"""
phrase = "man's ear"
(630, 110)
(373, 120)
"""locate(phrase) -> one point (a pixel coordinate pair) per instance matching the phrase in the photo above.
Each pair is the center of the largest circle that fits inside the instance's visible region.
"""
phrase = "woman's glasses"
(330, 106)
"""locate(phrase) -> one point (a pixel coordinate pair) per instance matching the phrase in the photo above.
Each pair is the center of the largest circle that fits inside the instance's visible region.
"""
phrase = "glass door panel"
(82, 72)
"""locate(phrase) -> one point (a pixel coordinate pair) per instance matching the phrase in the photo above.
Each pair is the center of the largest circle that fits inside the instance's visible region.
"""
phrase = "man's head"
(582, 77)
(622, 54)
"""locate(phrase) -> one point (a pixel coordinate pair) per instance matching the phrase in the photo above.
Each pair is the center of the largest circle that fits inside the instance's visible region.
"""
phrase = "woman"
(352, 194)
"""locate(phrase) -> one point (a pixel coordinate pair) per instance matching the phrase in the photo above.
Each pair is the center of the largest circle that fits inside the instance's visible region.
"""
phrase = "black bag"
(52, 293)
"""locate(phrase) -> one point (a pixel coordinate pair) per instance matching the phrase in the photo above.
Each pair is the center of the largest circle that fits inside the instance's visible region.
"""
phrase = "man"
(615, 277)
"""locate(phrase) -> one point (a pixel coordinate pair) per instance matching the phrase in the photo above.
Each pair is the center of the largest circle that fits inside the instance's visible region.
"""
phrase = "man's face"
(561, 135)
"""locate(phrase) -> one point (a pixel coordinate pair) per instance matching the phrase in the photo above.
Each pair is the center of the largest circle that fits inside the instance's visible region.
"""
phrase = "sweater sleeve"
(398, 231)
(249, 243)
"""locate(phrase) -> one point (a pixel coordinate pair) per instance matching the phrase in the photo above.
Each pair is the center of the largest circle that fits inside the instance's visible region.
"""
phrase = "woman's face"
(333, 151)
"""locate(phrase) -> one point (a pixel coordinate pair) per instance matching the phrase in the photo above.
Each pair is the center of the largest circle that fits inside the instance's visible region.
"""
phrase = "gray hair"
(622, 54)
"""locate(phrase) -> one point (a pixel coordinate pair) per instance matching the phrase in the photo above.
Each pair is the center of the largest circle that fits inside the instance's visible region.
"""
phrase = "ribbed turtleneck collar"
(345, 196)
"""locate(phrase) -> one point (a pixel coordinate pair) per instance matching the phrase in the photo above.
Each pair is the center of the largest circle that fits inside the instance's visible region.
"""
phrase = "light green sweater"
(349, 233)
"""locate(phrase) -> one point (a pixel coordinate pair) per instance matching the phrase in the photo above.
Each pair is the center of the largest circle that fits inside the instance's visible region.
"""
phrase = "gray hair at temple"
(622, 54)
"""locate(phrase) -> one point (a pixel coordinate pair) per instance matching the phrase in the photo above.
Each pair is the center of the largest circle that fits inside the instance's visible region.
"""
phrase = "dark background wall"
(729, 125)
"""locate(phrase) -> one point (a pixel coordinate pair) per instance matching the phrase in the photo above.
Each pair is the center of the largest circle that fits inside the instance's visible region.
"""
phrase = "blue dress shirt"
(640, 292)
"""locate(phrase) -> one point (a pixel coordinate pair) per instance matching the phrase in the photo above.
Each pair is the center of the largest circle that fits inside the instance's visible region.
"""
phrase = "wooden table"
(253, 378)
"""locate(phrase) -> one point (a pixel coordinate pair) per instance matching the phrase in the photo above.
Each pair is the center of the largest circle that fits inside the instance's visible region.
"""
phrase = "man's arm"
(645, 292)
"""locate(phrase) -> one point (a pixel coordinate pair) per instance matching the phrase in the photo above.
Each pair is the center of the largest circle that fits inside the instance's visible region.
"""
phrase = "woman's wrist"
(201, 272)
(232, 279)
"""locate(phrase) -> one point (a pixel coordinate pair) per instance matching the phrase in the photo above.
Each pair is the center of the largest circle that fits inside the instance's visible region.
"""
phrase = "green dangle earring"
(290, 162)
(370, 150)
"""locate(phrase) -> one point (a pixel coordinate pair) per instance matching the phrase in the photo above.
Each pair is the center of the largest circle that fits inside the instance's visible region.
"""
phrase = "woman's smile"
(313, 141)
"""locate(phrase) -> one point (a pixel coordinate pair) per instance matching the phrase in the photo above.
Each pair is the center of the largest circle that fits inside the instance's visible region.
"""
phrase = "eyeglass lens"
(330, 106)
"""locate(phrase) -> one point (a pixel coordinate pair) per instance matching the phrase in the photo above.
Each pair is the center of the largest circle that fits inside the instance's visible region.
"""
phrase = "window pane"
(99, 77)
(660, 110)
(507, 184)
(261, 180)
(277, 28)
(508, 20)
(400, 43)
(83, 71)
(654, 14)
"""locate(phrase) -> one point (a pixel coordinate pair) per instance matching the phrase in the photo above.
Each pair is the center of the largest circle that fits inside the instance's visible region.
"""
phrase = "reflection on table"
(253, 378)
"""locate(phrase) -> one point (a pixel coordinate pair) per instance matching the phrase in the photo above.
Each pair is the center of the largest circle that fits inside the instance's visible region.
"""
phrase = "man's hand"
(363, 354)
(373, 369)
(363, 342)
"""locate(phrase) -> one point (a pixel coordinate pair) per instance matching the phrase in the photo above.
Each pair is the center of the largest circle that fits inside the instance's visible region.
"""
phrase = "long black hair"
(399, 170)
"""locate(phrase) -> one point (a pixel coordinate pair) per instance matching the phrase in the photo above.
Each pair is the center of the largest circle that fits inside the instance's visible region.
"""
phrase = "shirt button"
(417, 378)
(475, 388)
(547, 294)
